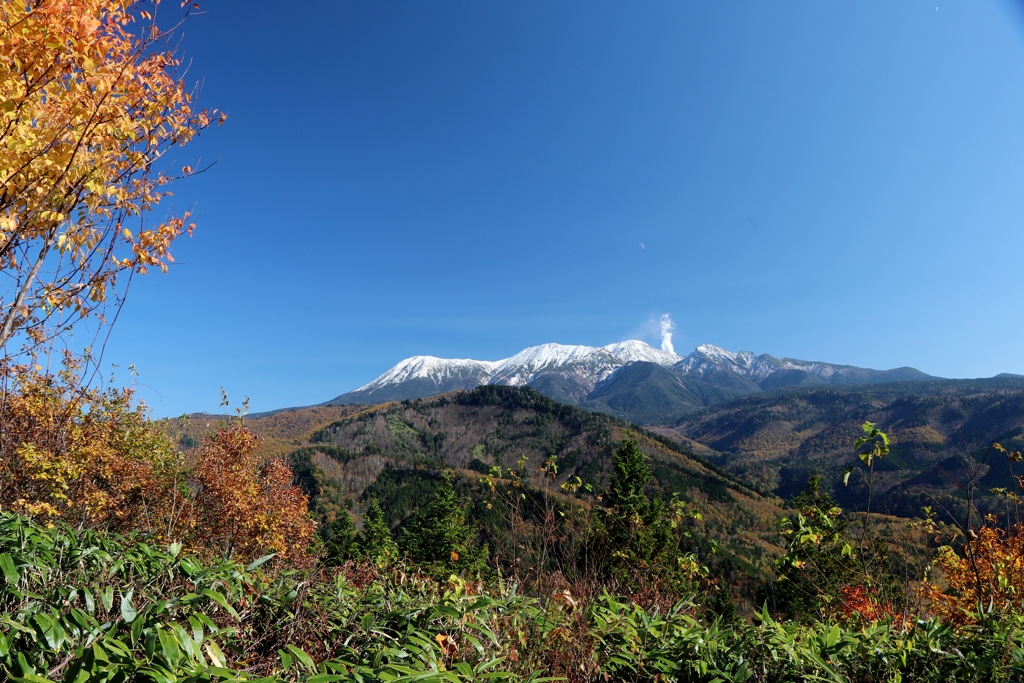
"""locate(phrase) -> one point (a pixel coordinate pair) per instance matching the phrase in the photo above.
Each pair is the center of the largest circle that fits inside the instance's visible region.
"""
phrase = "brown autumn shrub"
(94, 460)
(243, 508)
(91, 458)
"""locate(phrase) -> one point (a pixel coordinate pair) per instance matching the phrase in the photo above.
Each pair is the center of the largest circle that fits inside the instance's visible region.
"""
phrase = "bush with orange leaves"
(985, 577)
(860, 605)
(244, 509)
(94, 460)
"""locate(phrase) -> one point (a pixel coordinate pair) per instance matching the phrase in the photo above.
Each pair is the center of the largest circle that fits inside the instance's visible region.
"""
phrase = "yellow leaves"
(88, 108)
(449, 648)
(74, 452)
(987, 573)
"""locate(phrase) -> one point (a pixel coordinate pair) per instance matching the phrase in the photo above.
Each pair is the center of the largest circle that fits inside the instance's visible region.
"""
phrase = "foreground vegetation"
(94, 606)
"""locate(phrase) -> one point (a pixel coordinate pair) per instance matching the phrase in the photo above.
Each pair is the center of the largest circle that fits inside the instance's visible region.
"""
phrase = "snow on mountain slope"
(437, 370)
(571, 372)
(634, 350)
(521, 368)
(583, 361)
(706, 358)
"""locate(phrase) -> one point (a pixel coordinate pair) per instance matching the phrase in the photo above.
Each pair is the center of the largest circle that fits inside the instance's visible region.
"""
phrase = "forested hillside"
(395, 453)
(937, 428)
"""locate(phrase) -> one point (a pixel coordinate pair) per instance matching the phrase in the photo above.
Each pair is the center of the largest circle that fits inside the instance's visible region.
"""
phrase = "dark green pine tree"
(441, 536)
(340, 539)
(376, 541)
(638, 538)
(630, 475)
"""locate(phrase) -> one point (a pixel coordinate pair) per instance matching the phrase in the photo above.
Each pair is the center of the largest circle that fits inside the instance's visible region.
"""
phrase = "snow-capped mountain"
(589, 376)
(437, 370)
(523, 367)
(633, 350)
(707, 358)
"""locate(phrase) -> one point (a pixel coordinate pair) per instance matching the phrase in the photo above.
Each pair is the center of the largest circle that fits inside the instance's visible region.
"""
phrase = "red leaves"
(858, 604)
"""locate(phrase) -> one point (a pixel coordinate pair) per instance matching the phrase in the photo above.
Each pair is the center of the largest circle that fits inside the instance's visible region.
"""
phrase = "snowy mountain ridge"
(519, 369)
(432, 368)
(581, 375)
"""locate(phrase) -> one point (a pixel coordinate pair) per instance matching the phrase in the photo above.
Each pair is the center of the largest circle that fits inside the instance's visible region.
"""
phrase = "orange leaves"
(87, 109)
(858, 603)
(94, 460)
(245, 509)
(88, 457)
(987, 572)
(449, 648)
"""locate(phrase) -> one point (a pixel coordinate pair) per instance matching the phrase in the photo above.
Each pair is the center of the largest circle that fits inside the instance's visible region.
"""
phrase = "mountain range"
(630, 379)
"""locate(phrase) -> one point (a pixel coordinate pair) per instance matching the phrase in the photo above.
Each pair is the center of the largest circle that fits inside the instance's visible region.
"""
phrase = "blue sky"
(831, 181)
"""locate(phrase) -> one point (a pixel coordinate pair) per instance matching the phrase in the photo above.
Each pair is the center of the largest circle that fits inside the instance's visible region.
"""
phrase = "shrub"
(88, 457)
(94, 460)
(241, 508)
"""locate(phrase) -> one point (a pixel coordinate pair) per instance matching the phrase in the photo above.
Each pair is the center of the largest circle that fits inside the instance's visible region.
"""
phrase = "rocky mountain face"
(630, 379)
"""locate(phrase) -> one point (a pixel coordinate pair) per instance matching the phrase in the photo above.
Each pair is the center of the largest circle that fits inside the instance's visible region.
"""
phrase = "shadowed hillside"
(777, 439)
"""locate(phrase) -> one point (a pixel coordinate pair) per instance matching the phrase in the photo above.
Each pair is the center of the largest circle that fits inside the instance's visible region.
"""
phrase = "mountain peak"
(431, 368)
(521, 368)
(572, 373)
(633, 350)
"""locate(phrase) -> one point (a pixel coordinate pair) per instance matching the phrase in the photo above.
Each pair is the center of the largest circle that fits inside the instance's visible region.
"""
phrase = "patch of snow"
(521, 368)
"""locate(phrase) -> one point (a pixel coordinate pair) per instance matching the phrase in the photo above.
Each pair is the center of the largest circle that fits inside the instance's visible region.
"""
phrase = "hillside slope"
(778, 438)
(395, 453)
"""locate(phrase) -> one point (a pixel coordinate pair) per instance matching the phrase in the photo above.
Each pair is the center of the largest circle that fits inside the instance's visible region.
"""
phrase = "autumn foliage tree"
(90, 104)
(88, 457)
(244, 508)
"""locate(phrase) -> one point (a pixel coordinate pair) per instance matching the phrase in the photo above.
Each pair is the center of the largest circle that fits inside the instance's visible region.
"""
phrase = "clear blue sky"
(838, 181)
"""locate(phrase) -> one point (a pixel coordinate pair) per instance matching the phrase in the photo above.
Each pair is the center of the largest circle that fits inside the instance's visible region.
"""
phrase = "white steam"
(666, 333)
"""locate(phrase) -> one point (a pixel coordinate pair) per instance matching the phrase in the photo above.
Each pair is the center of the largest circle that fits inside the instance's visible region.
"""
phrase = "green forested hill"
(395, 453)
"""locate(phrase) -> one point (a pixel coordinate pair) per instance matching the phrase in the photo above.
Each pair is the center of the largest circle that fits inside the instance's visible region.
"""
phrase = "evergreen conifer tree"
(376, 541)
(442, 536)
(637, 534)
(629, 512)
(630, 475)
(340, 538)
